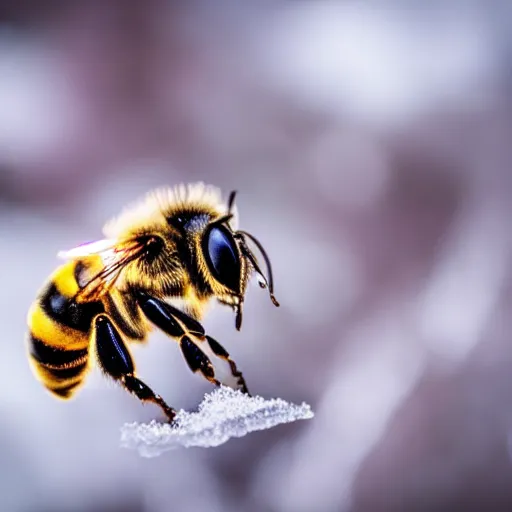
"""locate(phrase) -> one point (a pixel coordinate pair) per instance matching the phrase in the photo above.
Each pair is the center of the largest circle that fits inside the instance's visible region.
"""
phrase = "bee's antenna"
(229, 215)
(269, 283)
(231, 201)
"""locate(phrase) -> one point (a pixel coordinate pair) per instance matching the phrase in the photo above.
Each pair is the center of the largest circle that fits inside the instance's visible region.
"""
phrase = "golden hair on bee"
(162, 261)
(160, 204)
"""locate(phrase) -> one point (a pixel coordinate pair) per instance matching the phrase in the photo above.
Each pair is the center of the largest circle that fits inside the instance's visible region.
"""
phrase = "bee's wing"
(88, 249)
(115, 255)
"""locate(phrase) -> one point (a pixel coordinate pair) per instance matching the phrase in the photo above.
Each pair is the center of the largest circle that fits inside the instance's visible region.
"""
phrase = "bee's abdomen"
(60, 371)
(58, 341)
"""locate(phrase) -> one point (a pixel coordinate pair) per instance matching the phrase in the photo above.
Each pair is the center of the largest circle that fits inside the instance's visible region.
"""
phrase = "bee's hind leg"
(202, 353)
(115, 360)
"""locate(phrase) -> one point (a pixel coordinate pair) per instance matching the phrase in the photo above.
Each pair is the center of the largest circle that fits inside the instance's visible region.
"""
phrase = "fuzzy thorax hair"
(157, 206)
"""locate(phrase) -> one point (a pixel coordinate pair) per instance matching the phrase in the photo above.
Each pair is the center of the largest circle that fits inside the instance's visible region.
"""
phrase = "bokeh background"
(371, 145)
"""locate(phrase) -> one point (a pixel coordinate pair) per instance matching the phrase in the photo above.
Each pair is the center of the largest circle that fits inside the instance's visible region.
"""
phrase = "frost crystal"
(223, 414)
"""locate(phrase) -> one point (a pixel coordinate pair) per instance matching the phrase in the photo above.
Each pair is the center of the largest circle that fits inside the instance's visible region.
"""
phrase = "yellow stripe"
(64, 279)
(53, 333)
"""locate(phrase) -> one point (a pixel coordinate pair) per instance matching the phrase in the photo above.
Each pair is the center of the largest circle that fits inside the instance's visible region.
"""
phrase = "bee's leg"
(116, 361)
(202, 353)
(213, 362)
(223, 355)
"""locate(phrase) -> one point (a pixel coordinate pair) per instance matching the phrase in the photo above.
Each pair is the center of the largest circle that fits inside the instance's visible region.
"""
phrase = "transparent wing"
(115, 254)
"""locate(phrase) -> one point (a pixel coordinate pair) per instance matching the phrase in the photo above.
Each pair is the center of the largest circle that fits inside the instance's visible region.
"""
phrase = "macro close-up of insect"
(160, 264)
(171, 172)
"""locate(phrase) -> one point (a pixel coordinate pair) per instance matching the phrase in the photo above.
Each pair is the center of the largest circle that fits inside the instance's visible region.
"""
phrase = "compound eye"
(222, 257)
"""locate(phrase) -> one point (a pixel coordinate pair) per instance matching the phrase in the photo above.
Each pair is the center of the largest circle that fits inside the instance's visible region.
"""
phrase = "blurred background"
(370, 144)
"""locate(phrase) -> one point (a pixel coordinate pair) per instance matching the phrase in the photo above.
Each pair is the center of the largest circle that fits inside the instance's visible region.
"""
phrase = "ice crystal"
(222, 415)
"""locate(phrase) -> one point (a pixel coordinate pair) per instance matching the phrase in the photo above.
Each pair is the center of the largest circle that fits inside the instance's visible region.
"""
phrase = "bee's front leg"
(223, 354)
(203, 354)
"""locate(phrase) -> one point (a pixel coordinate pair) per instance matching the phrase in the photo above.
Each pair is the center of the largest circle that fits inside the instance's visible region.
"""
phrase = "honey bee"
(161, 262)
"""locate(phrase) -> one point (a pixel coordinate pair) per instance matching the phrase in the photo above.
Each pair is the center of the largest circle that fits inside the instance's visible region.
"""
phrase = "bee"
(161, 263)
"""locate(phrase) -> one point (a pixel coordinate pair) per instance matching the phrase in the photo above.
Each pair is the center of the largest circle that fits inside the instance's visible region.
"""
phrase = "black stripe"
(64, 392)
(46, 354)
(67, 312)
(67, 373)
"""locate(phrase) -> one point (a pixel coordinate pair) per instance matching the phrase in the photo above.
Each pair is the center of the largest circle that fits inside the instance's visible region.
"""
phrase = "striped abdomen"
(60, 332)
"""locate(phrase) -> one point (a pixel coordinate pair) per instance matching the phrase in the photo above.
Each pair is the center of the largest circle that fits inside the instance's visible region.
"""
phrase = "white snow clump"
(223, 414)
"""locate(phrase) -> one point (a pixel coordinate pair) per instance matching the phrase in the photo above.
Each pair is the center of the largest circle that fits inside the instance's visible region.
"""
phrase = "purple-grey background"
(370, 143)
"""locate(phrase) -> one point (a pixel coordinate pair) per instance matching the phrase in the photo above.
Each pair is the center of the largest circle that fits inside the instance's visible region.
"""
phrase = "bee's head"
(212, 254)
(230, 261)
